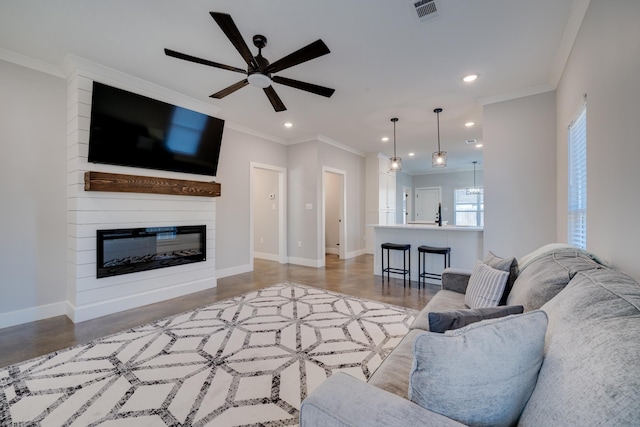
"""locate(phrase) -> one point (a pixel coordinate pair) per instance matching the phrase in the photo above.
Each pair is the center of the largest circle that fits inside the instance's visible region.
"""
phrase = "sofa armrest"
(343, 401)
(455, 279)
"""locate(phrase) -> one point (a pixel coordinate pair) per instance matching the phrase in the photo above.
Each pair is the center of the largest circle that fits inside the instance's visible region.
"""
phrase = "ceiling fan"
(259, 71)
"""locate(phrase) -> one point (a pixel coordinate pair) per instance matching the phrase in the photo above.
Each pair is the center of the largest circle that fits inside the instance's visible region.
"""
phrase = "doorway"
(427, 200)
(333, 224)
(268, 231)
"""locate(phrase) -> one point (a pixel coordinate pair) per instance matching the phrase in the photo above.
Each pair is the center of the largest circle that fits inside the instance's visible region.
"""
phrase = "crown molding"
(76, 66)
(578, 11)
(521, 93)
(255, 133)
(32, 63)
(329, 141)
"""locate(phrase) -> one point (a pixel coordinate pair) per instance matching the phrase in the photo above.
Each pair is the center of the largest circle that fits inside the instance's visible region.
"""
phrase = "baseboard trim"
(32, 314)
(268, 257)
(332, 251)
(232, 271)
(306, 262)
(91, 311)
(354, 254)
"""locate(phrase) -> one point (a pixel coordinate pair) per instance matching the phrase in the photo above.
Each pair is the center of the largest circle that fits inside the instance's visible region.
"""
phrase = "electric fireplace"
(130, 250)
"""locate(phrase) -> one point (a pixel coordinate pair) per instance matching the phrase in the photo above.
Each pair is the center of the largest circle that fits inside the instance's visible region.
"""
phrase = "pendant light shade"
(474, 190)
(438, 158)
(395, 163)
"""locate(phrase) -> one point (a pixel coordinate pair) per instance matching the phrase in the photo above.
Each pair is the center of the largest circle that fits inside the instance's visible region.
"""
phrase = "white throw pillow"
(486, 286)
(482, 374)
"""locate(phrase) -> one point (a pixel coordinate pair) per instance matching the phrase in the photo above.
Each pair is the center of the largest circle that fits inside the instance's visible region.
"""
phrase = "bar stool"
(422, 273)
(404, 270)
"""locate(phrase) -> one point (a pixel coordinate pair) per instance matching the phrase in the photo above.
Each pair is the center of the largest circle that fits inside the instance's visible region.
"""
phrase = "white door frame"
(409, 203)
(342, 228)
(282, 210)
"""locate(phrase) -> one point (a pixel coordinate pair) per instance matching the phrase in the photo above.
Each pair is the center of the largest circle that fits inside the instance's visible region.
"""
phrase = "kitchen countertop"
(427, 226)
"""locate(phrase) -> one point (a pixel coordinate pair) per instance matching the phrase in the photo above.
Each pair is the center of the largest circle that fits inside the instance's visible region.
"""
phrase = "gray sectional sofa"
(590, 352)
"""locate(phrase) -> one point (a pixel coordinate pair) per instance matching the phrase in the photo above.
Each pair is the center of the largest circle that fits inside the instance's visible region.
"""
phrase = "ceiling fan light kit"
(259, 80)
(395, 163)
(259, 71)
(438, 158)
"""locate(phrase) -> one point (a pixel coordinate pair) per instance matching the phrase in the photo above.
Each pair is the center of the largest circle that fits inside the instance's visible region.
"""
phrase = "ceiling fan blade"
(229, 90)
(190, 58)
(226, 24)
(309, 87)
(275, 100)
(307, 53)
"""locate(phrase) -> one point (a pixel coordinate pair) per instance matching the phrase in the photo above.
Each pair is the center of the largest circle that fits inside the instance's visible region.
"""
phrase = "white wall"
(238, 150)
(33, 194)
(448, 181)
(265, 214)
(605, 64)
(520, 174)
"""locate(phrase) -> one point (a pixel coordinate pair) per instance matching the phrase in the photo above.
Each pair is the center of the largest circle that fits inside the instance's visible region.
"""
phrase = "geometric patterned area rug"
(249, 360)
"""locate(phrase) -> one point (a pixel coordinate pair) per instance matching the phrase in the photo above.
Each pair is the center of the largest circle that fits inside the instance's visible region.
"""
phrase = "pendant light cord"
(394, 120)
(438, 115)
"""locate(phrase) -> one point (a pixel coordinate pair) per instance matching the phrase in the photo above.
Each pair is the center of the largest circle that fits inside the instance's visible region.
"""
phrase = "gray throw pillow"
(456, 319)
(486, 286)
(482, 374)
(504, 264)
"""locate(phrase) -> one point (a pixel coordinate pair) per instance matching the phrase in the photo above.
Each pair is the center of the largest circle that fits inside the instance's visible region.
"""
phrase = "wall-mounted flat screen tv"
(132, 130)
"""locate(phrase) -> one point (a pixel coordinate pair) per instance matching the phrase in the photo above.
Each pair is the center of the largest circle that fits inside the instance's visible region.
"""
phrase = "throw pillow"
(482, 374)
(504, 264)
(456, 319)
(486, 286)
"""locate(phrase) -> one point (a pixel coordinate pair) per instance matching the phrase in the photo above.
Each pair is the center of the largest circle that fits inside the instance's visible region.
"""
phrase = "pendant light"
(395, 163)
(474, 190)
(439, 158)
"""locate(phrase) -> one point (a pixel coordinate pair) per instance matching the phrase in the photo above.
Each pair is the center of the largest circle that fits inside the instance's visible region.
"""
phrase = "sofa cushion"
(486, 286)
(542, 278)
(393, 374)
(504, 264)
(482, 374)
(441, 301)
(455, 319)
(591, 370)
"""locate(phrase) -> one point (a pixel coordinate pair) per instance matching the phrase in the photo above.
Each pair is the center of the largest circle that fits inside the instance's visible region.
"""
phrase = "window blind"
(577, 173)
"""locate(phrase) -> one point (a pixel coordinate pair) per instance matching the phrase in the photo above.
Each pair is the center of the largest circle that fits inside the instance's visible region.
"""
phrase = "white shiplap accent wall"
(87, 212)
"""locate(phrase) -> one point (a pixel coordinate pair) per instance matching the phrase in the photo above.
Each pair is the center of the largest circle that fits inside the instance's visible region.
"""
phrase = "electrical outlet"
(299, 244)
(262, 240)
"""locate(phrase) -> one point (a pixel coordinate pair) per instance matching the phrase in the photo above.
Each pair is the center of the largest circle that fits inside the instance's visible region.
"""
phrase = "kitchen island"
(466, 245)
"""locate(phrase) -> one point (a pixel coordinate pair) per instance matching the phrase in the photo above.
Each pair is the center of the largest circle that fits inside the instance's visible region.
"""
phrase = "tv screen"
(133, 130)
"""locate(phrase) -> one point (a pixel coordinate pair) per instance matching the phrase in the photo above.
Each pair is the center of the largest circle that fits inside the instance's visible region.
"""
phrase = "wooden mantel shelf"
(103, 181)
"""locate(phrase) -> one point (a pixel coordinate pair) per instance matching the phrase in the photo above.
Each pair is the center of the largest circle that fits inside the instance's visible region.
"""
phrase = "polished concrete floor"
(352, 277)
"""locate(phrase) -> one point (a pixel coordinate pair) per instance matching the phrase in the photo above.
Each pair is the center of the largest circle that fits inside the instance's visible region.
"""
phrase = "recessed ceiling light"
(412, 154)
(385, 138)
(469, 78)
(288, 124)
(470, 124)
(478, 145)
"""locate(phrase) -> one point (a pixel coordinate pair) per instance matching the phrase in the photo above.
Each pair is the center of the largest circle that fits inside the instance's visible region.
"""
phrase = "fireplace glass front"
(130, 250)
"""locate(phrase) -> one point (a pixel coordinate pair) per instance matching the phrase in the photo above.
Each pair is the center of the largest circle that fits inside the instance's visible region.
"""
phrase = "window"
(577, 174)
(469, 208)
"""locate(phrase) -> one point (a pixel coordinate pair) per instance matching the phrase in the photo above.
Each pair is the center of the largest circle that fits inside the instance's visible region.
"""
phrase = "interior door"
(427, 200)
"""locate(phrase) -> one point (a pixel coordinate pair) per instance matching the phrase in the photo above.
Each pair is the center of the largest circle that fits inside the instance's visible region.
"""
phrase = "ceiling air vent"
(426, 10)
(471, 141)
